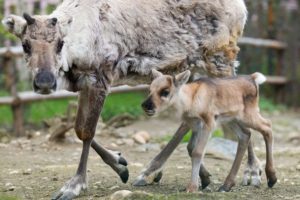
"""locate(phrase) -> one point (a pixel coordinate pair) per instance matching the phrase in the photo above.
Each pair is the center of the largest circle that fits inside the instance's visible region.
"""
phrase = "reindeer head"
(42, 44)
(163, 91)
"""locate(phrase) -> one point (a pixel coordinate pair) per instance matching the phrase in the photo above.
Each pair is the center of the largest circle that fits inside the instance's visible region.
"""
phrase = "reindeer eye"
(26, 47)
(60, 45)
(164, 93)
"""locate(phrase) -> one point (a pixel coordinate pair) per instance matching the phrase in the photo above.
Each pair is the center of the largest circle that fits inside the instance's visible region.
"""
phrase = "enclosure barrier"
(18, 99)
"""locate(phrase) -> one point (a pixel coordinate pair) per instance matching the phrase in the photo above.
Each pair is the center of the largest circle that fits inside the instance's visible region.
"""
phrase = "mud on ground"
(36, 169)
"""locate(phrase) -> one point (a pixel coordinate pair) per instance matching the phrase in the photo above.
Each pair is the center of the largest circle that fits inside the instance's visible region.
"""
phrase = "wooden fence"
(17, 100)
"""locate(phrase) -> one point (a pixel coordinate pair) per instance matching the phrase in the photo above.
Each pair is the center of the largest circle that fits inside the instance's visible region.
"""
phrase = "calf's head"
(163, 91)
(42, 44)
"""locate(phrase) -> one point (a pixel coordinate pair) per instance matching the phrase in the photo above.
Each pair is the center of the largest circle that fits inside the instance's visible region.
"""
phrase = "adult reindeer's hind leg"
(203, 173)
(91, 101)
(252, 173)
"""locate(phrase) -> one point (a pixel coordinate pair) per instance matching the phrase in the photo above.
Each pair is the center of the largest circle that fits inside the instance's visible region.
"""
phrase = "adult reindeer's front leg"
(91, 101)
(153, 171)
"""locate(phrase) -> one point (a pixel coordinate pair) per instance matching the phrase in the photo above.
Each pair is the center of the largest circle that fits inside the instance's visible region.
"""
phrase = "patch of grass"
(123, 103)
(36, 112)
(269, 105)
(4, 197)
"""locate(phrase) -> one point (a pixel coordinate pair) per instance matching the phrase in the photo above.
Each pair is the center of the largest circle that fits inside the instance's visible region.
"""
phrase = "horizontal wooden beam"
(277, 80)
(30, 97)
(265, 43)
(258, 42)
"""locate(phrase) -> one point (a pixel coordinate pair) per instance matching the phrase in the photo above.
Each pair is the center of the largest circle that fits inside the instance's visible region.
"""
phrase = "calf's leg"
(243, 142)
(91, 101)
(257, 122)
(252, 172)
(153, 171)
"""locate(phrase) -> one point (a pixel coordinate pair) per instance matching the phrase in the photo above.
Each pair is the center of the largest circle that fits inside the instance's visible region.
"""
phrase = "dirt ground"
(35, 168)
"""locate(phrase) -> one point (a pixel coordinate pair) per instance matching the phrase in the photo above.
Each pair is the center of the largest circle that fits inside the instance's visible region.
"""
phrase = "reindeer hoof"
(140, 181)
(205, 181)
(272, 182)
(157, 177)
(252, 176)
(224, 188)
(124, 175)
(71, 189)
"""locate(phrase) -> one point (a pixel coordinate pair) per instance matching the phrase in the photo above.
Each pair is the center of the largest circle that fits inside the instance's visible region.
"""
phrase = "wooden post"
(16, 107)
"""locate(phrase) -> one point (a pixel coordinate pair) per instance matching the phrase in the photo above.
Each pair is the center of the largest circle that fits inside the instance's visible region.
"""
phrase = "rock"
(31, 134)
(121, 194)
(145, 135)
(221, 148)
(27, 172)
(114, 187)
(298, 167)
(9, 187)
(141, 137)
(14, 172)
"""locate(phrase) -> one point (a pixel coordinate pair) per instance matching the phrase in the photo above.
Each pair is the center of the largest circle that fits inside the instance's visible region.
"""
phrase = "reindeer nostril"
(148, 104)
(44, 81)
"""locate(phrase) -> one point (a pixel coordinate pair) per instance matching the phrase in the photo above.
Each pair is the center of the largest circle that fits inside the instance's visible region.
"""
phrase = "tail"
(259, 78)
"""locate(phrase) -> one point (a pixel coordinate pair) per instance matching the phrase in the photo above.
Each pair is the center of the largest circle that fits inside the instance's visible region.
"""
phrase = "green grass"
(5, 197)
(269, 105)
(37, 112)
(123, 103)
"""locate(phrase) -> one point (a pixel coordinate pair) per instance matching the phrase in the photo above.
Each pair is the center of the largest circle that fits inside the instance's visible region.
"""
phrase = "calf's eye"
(164, 93)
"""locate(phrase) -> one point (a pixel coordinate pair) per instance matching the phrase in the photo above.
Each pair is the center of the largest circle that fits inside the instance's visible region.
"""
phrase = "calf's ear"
(15, 24)
(156, 74)
(182, 78)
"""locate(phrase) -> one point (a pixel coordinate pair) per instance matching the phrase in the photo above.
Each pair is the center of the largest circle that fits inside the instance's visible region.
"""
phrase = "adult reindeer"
(90, 45)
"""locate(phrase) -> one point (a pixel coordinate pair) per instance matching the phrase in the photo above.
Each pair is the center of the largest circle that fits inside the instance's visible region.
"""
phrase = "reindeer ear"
(182, 78)
(15, 24)
(156, 73)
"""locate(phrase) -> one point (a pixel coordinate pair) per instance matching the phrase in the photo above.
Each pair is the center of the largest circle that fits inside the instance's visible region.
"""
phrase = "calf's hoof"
(271, 177)
(272, 181)
(226, 187)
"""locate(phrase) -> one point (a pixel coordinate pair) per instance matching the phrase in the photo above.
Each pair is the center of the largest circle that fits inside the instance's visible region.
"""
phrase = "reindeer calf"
(205, 103)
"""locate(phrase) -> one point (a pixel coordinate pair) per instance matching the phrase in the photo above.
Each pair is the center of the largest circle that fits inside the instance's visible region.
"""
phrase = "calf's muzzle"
(149, 107)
